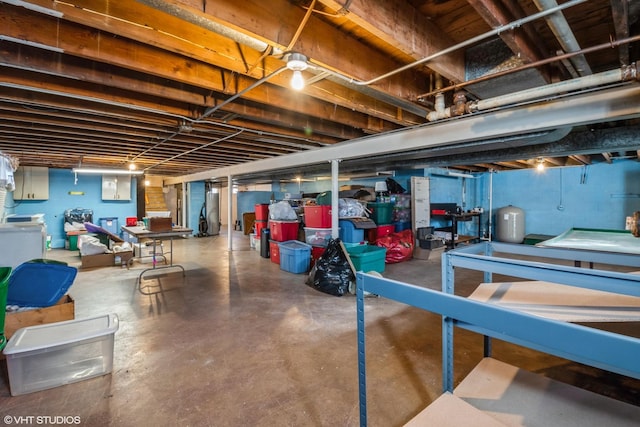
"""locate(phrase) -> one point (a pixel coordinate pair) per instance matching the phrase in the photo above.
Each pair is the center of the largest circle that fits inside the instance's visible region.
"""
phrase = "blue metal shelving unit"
(605, 350)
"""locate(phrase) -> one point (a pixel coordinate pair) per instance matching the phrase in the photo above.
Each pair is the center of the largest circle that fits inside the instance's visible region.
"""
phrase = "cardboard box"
(107, 260)
(160, 224)
(64, 309)
(141, 250)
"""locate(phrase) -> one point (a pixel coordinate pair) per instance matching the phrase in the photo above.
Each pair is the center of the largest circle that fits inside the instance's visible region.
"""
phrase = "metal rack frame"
(594, 347)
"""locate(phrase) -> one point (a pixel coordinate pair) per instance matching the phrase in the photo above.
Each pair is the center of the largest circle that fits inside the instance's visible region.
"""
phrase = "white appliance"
(21, 242)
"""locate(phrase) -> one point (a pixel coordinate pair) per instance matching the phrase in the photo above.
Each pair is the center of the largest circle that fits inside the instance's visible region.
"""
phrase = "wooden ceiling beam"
(165, 56)
(145, 86)
(555, 161)
(287, 123)
(513, 165)
(40, 147)
(581, 158)
(318, 40)
(403, 27)
(620, 12)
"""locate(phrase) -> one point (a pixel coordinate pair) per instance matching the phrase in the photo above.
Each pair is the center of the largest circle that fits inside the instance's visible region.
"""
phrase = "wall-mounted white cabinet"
(32, 183)
(116, 187)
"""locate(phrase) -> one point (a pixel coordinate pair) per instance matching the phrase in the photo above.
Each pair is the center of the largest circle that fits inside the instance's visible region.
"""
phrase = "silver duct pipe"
(608, 104)
(179, 12)
(560, 28)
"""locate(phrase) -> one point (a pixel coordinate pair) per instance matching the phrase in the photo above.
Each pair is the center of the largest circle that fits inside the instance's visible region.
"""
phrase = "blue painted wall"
(61, 182)
(557, 199)
(595, 196)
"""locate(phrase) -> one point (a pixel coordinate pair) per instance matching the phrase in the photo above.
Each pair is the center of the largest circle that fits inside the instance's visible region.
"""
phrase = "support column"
(335, 189)
(230, 219)
(185, 208)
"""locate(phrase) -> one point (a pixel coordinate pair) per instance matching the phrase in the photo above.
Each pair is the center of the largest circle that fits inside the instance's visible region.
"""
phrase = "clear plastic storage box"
(317, 236)
(46, 356)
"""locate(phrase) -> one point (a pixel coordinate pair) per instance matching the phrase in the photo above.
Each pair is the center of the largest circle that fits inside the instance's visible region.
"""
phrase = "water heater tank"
(510, 224)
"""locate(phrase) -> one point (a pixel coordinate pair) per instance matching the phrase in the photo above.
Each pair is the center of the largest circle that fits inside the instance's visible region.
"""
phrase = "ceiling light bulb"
(132, 166)
(297, 81)
(540, 166)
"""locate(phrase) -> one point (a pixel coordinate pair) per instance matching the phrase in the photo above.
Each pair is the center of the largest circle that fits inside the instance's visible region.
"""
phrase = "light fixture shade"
(297, 62)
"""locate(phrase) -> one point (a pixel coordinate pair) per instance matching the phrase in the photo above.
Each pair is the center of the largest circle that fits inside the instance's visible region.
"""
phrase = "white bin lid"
(60, 333)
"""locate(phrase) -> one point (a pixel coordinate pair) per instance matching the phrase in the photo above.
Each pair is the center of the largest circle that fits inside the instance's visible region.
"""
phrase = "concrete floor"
(240, 342)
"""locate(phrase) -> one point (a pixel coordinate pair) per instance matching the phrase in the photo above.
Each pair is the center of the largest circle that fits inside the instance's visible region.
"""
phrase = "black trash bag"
(331, 273)
(393, 187)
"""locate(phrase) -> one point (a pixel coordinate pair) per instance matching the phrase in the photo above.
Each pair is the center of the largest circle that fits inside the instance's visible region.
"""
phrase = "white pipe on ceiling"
(595, 80)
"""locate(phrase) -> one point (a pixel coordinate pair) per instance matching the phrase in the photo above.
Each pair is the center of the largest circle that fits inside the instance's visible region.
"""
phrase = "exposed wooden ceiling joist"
(130, 79)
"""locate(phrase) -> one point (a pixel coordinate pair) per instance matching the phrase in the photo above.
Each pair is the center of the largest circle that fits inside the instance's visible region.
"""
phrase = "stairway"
(154, 199)
(498, 394)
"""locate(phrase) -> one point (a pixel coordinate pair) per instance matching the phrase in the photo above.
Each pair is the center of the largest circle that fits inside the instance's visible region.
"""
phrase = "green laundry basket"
(5, 272)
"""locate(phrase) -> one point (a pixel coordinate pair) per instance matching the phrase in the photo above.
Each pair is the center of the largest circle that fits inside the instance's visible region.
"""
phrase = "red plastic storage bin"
(259, 225)
(281, 231)
(274, 251)
(262, 211)
(317, 216)
(380, 231)
(316, 253)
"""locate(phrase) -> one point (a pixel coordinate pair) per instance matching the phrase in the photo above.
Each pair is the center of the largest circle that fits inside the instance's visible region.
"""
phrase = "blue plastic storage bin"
(39, 284)
(110, 224)
(401, 225)
(349, 233)
(295, 256)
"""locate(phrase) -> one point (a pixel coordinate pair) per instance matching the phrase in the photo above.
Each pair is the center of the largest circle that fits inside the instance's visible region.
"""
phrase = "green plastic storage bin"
(367, 257)
(380, 212)
(5, 273)
(72, 244)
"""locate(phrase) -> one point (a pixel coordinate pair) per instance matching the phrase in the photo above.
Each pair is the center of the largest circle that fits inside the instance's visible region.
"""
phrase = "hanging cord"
(301, 26)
